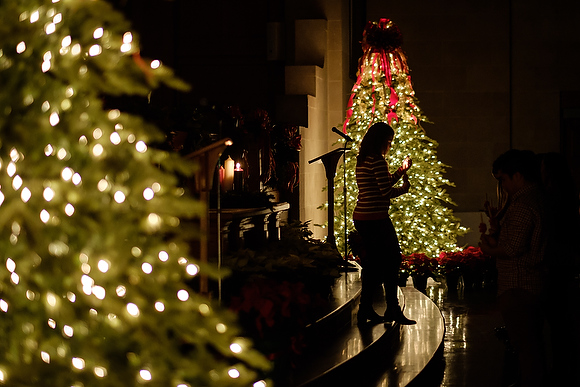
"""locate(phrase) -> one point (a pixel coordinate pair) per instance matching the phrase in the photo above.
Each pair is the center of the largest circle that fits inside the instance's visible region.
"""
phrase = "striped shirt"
(375, 188)
(524, 240)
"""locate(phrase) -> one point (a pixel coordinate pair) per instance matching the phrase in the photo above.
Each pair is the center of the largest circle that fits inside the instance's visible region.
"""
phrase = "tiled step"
(342, 353)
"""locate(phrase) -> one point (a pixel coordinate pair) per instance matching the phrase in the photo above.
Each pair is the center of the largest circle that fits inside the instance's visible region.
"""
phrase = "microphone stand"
(347, 139)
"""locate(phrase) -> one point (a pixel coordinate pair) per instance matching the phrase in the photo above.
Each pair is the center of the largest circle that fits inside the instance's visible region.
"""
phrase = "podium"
(207, 159)
(330, 161)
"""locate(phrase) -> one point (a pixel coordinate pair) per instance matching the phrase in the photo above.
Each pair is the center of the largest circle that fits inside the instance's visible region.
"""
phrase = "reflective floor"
(476, 350)
(473, 354)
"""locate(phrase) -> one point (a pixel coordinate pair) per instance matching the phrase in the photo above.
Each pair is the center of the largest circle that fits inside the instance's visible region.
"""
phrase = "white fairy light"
(115, 138)
(192, 269)
(66, 174)
(127, 37)
(102, 185)
(148, 194)
(221, 328)
(97, 133)
(121, 291)
(25, 195)
(34, 16)
(233, 373)
(51, 299)
(76, 179)
(50, 28)
(3, 306)
(10, 265)
(76, 49)
(114, 114)
(103, 266)
(163, 256)
(154, 220)
(98, 33)
(145, 375)
(61, 154)
(159, 306)
(141, 147)
(204, 309)
(69, 209)
(133, 309)
(44, 216)
(45, 356)
(119, 197)
(95, 50)
(68, 331)
(16, 182)
(99, 292)
(147, 268)
(48, 150)
(11, 169)
(21, 47)
(48, 194)
(98, 150)
(183, 295)
(78, 363)
(54, 119)
(155, 64)
(45, 66)
(235, 348)
(100, 372)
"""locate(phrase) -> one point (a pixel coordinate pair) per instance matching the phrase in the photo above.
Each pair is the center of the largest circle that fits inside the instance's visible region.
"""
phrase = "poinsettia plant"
(470, 258)
(420, 264)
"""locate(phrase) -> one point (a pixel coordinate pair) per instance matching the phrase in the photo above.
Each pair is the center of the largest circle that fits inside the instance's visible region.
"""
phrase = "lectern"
(207, 159)
(330, 161)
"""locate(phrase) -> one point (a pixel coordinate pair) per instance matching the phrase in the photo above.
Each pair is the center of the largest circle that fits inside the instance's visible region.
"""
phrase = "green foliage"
(95, 251)
(423, 218)
(296, 256)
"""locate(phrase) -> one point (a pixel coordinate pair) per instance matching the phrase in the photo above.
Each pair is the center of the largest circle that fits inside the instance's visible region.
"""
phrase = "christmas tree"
(97, 272)
(383, 92)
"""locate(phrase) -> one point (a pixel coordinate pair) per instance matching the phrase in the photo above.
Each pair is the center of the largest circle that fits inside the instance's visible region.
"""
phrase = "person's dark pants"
(523, 315)
(381, 261)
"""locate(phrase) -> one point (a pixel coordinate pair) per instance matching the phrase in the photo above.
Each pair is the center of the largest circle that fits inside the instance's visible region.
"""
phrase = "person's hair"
(515, 160)
(374, 139)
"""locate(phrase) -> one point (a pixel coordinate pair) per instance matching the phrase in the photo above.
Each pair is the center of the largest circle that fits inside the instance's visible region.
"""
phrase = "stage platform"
(340, 352)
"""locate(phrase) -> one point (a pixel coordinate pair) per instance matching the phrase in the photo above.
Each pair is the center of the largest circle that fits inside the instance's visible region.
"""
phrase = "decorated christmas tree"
(96, 283)
(383, 91)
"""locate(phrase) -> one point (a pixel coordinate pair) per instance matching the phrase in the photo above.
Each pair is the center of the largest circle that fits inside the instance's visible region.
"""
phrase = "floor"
(474, 353)
(476, 350)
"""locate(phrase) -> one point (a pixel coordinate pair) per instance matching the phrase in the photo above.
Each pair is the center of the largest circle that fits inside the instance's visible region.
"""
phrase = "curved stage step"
(342, 353)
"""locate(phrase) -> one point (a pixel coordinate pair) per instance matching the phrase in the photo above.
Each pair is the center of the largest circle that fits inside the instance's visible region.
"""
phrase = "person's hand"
(406, 164)
(406, 183)
(482, 227)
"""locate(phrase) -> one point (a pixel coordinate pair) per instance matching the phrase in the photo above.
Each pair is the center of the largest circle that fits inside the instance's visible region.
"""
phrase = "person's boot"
(367, 314)
(395, 314)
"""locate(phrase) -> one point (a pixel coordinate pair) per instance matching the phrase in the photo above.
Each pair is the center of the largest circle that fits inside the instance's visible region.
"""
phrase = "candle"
(222, 173)
(228, 174)
(238, 178)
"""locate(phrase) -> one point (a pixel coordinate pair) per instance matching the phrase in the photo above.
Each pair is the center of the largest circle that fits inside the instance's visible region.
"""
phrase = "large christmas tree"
(95, 255)
(383, 91)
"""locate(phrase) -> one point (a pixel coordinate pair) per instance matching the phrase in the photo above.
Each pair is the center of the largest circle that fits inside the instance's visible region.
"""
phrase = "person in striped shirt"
(382, 257)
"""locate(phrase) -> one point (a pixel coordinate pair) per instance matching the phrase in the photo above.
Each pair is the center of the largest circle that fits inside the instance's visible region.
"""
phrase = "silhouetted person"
(381, 263)
(520, 254)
